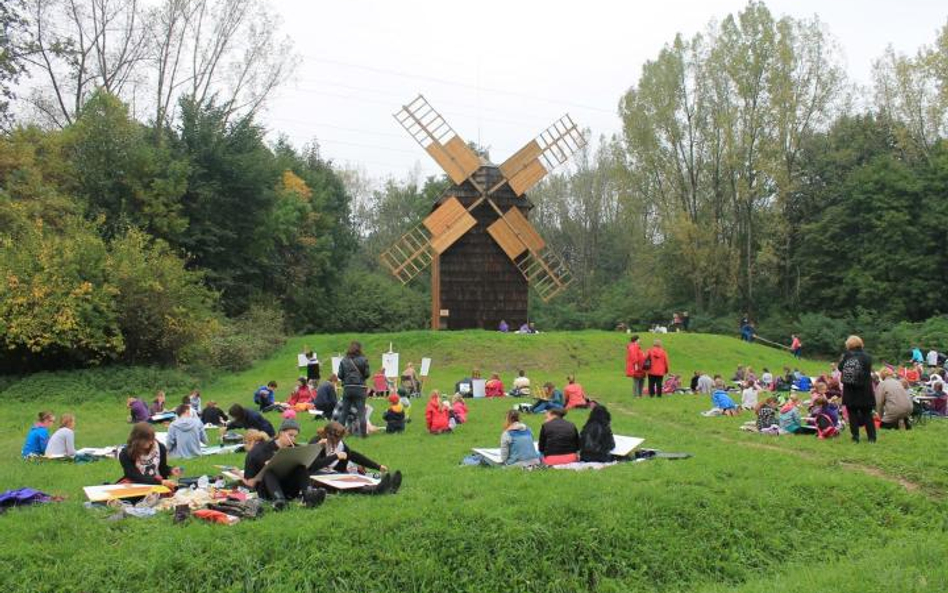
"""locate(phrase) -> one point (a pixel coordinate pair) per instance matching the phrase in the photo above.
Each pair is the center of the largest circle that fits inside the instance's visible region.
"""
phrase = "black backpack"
(853, 371)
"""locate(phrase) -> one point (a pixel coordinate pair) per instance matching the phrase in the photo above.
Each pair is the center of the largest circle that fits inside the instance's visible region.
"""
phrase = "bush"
(107, 383)
(371, 302)
(243, 340)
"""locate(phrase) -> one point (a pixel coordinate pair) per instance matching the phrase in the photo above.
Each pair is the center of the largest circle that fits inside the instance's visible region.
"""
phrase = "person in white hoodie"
(186, 434)
(63, 441)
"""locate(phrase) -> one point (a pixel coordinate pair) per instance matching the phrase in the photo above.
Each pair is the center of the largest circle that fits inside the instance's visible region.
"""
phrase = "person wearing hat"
(395, 415)
(269, 486)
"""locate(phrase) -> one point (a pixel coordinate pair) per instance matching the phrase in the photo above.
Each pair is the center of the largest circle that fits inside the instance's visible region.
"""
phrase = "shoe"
(313, 497)
(396, 481)
(856, 440)
(279, 504)
(384, 486)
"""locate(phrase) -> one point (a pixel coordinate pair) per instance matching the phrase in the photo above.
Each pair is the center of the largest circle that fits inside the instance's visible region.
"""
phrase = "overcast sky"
(501, 71)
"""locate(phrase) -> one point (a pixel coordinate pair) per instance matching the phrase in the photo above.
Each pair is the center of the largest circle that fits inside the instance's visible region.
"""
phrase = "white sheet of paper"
(97, 452)
(162, 437)
(344, 481)
(301, 360)
(425, 366)
(480, 387)
(390, 364)
(491, 455)
(625, 445)
(336, 361)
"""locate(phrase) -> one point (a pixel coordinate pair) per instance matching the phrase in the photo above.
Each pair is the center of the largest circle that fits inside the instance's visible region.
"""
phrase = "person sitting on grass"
(749, 395)
(38, 436)
(559, 439)
(574, 394)
(767, 380)
(437, 416)
(552, 398)
(705, 384)
(939, 405)
(144, 460)
(521, 385)
(466, 385)
(379, 384)
(721, 402)
(301, 398)
(157, 406)
(516, 443)
(63, 441)
(138, 411)
(458, 409)
(336, 456)
(241, 417)
(326, 396)
(790, 420)
(494, 386)
(186, 434)
(893, 402)
(265, 398)
(213, 415)
(821, 419)
(269, 486)
(395, 415)
(768, 418)
(596, 439)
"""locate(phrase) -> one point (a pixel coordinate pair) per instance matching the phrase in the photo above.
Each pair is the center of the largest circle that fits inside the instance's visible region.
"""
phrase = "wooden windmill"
(483, 252)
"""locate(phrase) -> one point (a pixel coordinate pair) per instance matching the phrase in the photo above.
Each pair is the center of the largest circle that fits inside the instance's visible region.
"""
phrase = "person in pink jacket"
(574, 394)
(656, 365)
(494, 387)
(458, 409)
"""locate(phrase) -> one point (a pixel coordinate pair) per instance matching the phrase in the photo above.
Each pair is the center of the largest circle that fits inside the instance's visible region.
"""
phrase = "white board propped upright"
(390, 364)
(480, 387)
(336, 361)
(425, 367)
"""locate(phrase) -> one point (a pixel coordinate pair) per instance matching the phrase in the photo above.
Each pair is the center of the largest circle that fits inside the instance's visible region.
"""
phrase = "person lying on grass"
(551, 398)
(63, 441)
(336, 456)
(38, 436)
(241, 417)
(144, 460)
(516, 443)
(721, 402)
(596, 439)
(186, 434)
(437, 414)
(269, 486)
(213, 415)
(559, 439)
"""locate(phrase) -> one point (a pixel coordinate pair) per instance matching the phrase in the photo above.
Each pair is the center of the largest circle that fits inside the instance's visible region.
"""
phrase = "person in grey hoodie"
(186, 434)
(516, 443)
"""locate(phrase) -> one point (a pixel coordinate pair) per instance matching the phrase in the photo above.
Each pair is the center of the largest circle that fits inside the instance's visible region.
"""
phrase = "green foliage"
(163, 307)
(243, 340)
(371, 302)
(110, 383)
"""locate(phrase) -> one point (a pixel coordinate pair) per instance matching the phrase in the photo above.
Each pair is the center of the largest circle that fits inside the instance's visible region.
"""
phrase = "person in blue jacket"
(516, 443)
(721, 402)
(38, 436)
(552, 399)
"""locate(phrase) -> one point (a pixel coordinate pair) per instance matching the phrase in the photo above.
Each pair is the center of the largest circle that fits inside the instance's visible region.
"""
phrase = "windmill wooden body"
(483, 252)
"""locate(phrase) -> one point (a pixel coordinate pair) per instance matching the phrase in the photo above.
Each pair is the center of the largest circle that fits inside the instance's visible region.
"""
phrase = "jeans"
(543, 406)
(638, 386)
(861, 417)
(655, 385)
(353, 398)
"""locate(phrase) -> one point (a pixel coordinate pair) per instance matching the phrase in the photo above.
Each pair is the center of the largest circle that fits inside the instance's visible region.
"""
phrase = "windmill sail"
(439, 139)
(551, 148)
(545, 271)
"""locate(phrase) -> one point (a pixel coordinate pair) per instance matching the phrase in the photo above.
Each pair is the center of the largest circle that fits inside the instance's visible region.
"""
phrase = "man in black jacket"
(353, 371)
(272, 487)
(559, 439)
(241, 417)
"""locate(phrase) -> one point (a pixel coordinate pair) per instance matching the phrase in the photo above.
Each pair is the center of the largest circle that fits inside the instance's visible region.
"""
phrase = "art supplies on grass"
(106, 492)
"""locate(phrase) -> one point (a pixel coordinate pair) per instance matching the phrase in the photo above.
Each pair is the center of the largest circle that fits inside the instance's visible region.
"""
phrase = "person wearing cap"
(269, 486)
(559, 439)
(395, 415)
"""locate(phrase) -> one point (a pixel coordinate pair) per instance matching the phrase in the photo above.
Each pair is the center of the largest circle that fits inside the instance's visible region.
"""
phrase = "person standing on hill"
(657, 366)
(353, 372)
(795, 345)
(858, 394)
(634, 365)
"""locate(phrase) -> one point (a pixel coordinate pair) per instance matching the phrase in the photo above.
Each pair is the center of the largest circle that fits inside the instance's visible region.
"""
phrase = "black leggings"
(655, 385)
(861, 417)
(897, 424)
(290, 486)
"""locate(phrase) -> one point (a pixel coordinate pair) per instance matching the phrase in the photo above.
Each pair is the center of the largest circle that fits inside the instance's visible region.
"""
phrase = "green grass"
(745, 514)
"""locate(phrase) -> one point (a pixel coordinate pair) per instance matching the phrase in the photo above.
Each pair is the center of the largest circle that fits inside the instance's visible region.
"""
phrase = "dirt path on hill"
(869, 470)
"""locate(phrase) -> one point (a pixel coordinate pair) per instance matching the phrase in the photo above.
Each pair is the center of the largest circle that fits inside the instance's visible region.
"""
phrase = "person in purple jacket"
(138, 410)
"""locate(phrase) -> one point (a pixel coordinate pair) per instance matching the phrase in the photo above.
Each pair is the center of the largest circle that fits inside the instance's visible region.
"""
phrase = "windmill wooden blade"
(551, 148)
(545, 271)
(413, 252)
(433, 133)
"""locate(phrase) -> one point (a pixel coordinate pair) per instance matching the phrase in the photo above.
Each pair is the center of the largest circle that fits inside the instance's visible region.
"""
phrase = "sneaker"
(279, 504)
(396, 481)
(313, 497)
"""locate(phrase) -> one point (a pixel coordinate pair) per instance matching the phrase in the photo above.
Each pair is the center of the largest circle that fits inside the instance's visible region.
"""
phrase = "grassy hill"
(746, 513)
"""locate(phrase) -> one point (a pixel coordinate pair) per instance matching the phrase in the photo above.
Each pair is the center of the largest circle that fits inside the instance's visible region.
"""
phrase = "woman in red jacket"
(437, 415)
(494, 387)
(657, 367)
(634, 365)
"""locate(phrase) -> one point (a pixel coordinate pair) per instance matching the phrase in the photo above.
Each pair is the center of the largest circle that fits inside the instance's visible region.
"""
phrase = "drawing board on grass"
(105, 492)
(345, 481)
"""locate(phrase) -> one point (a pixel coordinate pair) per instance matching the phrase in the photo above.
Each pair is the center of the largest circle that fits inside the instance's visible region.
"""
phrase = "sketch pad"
(286, 460)
(344, 481)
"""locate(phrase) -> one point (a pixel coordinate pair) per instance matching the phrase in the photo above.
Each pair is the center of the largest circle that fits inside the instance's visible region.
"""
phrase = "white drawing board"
(480, 387)
(425, 367)
(390, 364)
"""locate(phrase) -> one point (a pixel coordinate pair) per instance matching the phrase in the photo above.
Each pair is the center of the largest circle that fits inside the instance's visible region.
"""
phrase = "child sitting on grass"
(821, 418)
(790, 420)
(437, 415)
(395, 415)
(768, 421)
(721, 402)
(749, 395)
(458, 409)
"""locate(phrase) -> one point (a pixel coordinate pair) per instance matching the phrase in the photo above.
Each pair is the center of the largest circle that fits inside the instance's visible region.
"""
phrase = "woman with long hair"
(596, 440)
(337, 457)
(144, 460)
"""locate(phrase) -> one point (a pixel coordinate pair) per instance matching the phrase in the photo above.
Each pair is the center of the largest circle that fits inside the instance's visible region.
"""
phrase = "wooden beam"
(436, 292)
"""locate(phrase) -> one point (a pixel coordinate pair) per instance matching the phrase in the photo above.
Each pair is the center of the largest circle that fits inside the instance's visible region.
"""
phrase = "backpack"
(853, 372)
(258, 396)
